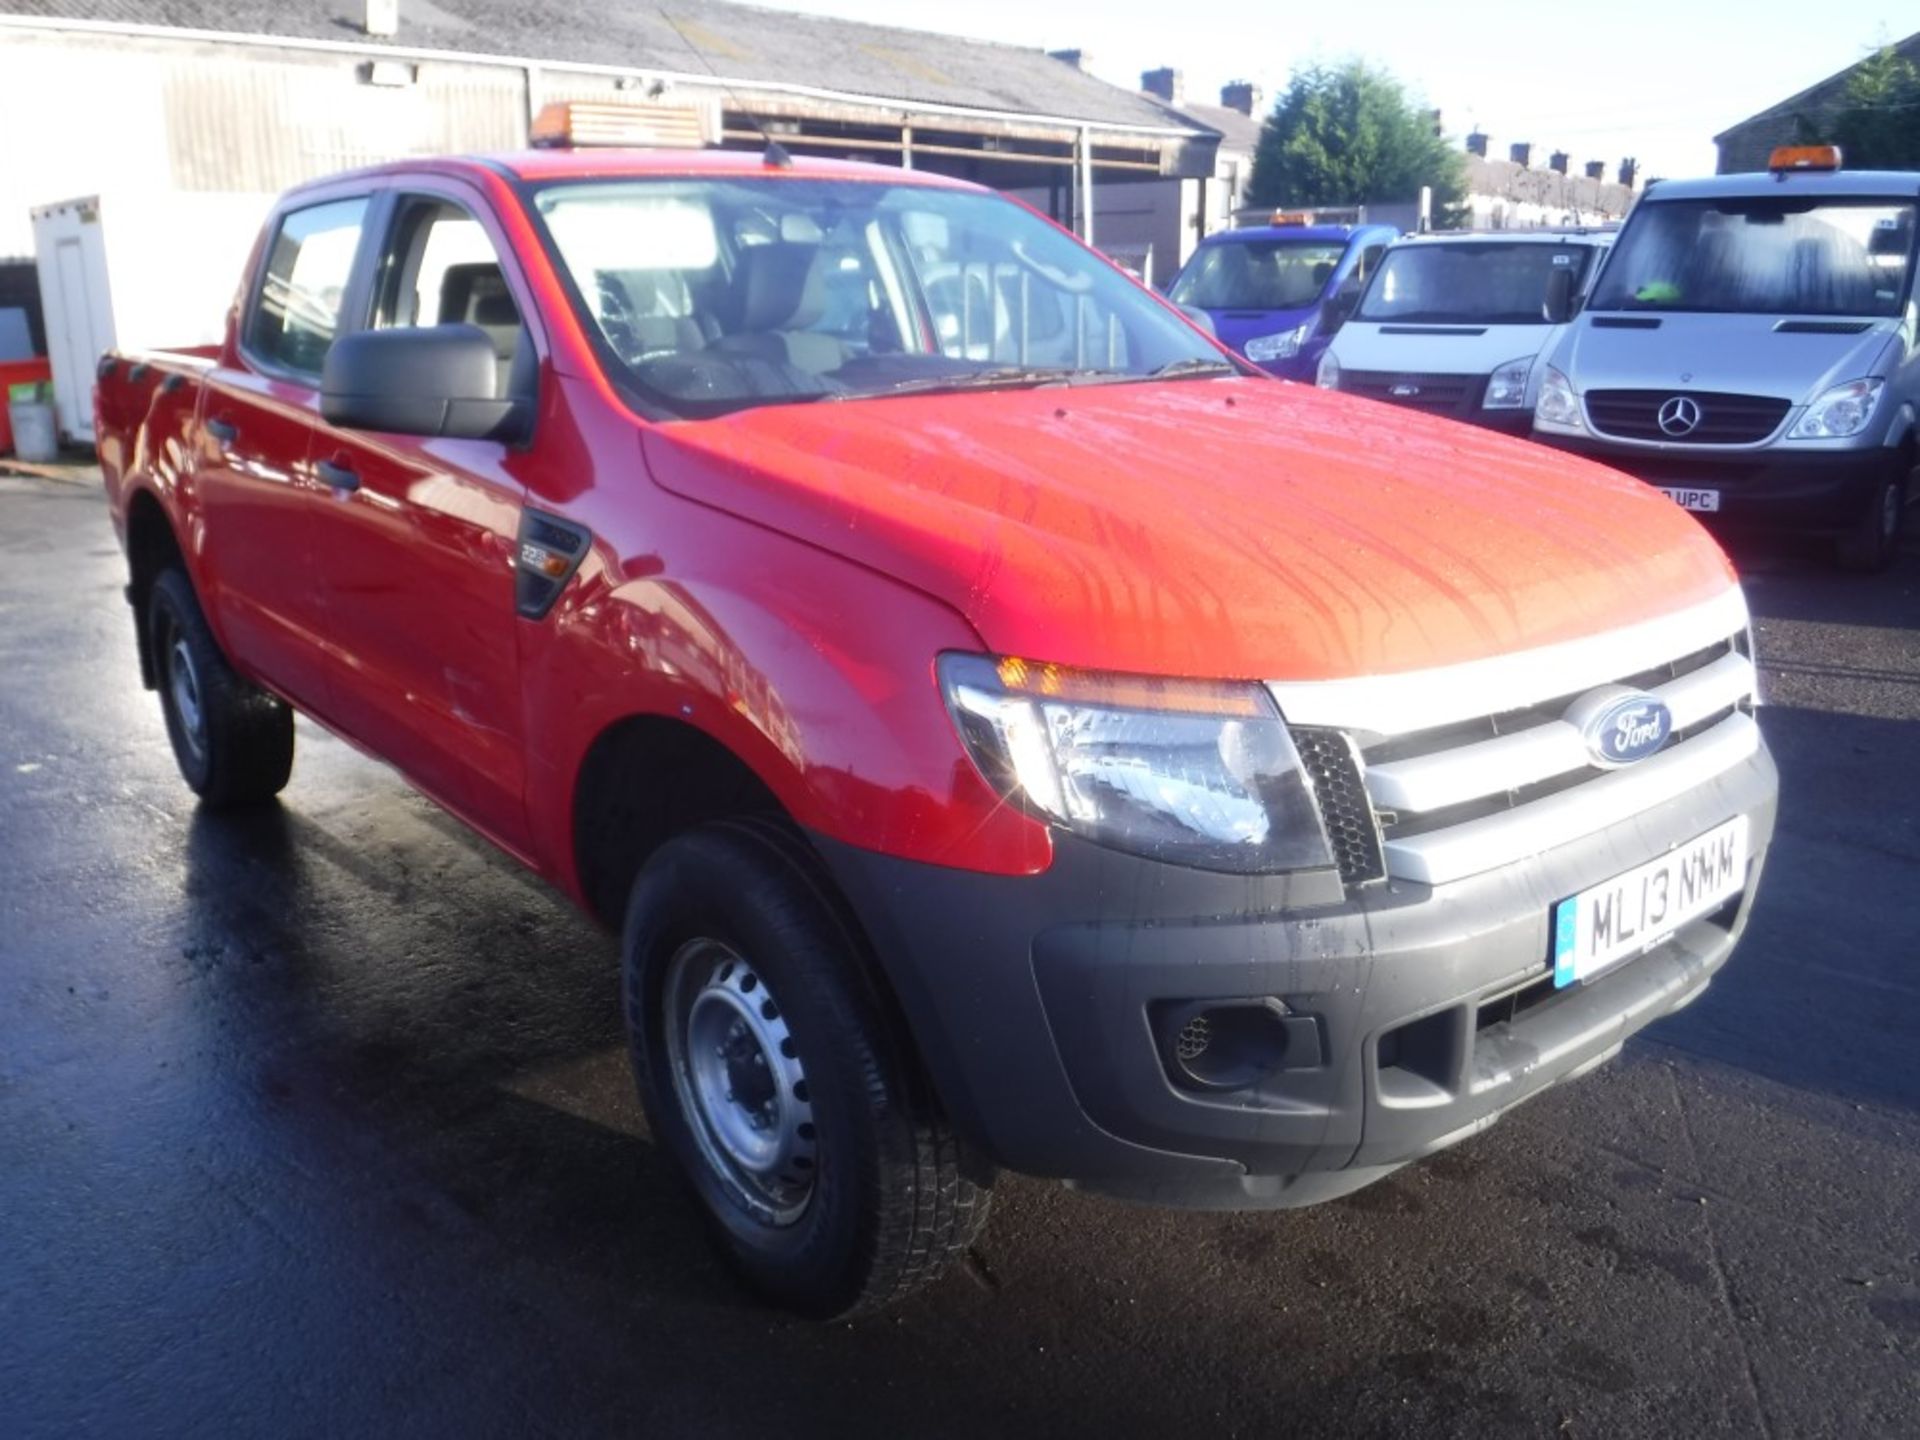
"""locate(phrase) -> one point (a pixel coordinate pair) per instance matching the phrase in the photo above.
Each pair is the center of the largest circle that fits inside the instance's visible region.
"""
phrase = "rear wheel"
(1875, 538)
(232, 740)
(772, 1070)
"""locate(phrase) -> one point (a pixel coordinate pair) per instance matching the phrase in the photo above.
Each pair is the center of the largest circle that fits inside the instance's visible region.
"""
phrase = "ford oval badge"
(1620, 725)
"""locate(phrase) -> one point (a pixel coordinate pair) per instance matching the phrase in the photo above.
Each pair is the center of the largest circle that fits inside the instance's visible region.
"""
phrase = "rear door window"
(296, 313)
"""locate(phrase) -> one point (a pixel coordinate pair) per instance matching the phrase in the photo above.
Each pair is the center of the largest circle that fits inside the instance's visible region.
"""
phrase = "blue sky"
(1650, 78)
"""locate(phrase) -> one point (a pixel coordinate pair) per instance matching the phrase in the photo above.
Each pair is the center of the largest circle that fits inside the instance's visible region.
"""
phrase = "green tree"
(1349, 133)
(1876, 123)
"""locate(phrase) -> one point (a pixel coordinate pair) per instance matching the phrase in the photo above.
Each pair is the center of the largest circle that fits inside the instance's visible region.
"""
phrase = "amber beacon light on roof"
(580, 124)
(1786, 158)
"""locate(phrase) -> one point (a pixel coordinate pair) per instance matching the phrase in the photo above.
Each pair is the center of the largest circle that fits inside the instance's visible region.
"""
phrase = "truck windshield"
(1492, 283)
(1764, 256)
(711, 295)
(1257, 275)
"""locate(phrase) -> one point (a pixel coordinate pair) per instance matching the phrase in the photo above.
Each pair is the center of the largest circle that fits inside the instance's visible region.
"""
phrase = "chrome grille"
(1436, 394)
(1723, 419)
(1471, 792)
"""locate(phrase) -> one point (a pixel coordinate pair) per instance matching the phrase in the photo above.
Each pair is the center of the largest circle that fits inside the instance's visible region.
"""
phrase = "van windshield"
(1763, 256)
(712, 295)
(1454, 282)
(1257, 275)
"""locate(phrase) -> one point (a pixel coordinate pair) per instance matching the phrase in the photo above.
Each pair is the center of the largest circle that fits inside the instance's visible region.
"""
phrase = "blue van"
(1276, 293)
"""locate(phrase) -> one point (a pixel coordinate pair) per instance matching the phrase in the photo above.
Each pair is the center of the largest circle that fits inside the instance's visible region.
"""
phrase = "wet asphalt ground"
(317, 1123)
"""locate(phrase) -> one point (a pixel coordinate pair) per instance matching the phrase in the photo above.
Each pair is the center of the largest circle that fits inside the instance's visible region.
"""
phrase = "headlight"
(1557, 406)
(1844, 410)
(1277, 347)
(1507, 389)
(1327, 377)
(1184, 771)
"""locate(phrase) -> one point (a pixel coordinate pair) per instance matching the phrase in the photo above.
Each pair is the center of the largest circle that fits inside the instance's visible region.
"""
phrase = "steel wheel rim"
(738, 1078)
(183, 685)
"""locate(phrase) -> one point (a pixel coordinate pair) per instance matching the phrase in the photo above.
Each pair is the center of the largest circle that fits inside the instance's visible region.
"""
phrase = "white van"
(1754, 351)
(1461, 324)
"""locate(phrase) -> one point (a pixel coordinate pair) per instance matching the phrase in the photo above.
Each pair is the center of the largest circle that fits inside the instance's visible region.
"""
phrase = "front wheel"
(772, 1071)
(1875, 538)
(232, 740)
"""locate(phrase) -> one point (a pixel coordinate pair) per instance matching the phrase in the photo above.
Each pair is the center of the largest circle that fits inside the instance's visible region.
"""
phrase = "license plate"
(1707, 501)
(1631, 913)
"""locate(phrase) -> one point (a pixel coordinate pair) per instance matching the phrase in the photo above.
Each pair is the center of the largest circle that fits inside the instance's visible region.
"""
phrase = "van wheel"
(1875, 539)
(232, 740)
(772, 1072)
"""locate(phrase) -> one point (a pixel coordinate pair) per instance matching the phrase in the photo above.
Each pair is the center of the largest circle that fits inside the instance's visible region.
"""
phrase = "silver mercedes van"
(1752, 348)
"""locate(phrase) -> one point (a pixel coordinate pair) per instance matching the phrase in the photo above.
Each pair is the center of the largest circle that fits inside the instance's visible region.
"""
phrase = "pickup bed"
(1005, 730)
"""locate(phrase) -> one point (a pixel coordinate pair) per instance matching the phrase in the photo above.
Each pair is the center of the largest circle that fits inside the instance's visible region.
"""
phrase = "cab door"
(255, 493)
(415, 544)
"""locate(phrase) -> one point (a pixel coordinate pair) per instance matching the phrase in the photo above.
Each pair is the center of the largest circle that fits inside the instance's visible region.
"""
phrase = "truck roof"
(1901, 184)
(1545, 235)
(612, 163)
(1245, 233)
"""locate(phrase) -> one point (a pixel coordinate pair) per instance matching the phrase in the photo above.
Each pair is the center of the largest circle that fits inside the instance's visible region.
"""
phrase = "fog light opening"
(1223, 1044)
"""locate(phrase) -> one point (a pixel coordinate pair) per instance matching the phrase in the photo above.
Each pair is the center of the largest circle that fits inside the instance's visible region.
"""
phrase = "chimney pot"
(1166, 82)
(1628, 169)
(1477, 144)
(1076, 58)
(1520, 153)
(382, 17)
(1558, 162)
(1596, 170)
(1242, 95)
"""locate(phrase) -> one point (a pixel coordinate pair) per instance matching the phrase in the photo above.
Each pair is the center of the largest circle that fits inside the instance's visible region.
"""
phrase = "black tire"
(1870, 546)
(883, 1197)
(238, 748)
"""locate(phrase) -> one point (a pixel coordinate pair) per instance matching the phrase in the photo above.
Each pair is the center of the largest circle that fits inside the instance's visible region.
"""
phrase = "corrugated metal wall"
(252, 121)
(98, 114)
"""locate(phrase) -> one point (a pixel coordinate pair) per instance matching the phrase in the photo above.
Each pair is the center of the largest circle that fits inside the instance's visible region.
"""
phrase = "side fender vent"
(549, 551)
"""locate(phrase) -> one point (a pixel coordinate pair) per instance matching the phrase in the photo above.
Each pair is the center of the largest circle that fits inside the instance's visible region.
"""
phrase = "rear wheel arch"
(152, 549)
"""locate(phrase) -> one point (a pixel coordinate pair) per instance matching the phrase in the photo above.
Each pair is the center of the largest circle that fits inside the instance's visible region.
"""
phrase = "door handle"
(223, 431)
(338, 478)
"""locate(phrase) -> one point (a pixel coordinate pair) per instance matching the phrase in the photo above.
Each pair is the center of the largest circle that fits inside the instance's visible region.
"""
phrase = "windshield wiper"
(1013, 377)
(1003, 377)
(1192, 365)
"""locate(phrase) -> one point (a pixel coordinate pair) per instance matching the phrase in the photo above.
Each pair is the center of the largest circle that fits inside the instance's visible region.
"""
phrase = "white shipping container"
(135, 270)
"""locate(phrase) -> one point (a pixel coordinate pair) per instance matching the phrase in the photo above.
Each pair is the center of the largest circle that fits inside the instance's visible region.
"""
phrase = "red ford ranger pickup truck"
(1005, 731)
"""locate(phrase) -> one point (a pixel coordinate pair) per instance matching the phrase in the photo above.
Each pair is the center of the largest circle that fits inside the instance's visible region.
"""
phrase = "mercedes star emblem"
(1680, 415)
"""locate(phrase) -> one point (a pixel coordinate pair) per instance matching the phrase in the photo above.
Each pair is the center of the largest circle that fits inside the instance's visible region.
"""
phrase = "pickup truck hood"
(1735, 354)
(1232, 528)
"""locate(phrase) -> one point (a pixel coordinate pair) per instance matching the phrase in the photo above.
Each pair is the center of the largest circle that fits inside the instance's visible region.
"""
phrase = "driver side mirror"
(433, 380)
(1339, 308)
(1559, 305)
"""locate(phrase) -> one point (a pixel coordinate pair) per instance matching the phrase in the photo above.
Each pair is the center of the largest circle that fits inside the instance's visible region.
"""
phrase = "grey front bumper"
(1033, 1001)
